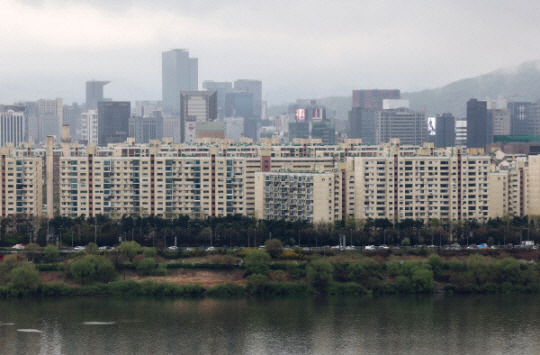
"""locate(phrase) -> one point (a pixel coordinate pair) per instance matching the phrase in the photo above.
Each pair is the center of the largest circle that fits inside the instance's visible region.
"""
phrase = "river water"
(381, 325)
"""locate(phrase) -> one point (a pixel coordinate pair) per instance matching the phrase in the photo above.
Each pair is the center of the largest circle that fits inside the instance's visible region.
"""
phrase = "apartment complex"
(302, 180)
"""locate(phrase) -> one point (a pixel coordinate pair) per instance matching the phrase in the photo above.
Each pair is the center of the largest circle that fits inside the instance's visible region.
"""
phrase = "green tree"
(9, 263)
(148, 266)
(130, 249)
(257, 262)
(91, 248)
(51, 253)
(405, 242)
(274, 247)
(24, 279)
(422, 280)
(320, 274)
(32, 250)
(92, 268)
(150, 252)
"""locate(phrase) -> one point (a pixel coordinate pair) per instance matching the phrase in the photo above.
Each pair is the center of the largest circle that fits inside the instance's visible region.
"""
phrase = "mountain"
(521, 82)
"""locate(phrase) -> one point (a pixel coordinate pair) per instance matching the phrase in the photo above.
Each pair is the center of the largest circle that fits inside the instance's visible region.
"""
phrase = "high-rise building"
(461, 132)
(479, 127)
(254, 87)
(147, 128)
(72, 118)
(13, 128)
(89, 127)
(445, 130)
(502, 123)
(196, 106)
(179, 73)
(221, 88)
(113, 121)
(519, 117)
(239, 104)
(407, 125)
(94, 93)
(373, 99)
(362, 124)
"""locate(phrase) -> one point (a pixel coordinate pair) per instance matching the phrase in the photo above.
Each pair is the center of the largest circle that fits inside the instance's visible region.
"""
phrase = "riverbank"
(255, 272)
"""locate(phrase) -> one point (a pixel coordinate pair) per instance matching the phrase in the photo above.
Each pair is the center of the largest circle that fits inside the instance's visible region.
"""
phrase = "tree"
(24, 279)
(274, 247)
(92, 268)
(32, 251)
(51, 253)
(148, 266)
(91, 248)
(129, 249)
(320, 274)
(257, 262)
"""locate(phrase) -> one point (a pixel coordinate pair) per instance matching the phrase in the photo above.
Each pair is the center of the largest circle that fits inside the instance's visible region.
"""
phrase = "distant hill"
(521, 82)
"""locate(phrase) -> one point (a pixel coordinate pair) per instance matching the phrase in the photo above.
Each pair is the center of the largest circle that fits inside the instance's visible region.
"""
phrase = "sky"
(299, 49)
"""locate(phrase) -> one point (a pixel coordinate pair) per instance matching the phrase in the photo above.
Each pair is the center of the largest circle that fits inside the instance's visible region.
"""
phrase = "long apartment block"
(302, 180)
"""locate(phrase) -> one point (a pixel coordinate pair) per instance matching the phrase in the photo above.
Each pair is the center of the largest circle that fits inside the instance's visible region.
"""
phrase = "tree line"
(233, 231)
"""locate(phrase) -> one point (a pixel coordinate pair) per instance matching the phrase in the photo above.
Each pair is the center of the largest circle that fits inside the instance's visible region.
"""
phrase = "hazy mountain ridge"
(521, 82)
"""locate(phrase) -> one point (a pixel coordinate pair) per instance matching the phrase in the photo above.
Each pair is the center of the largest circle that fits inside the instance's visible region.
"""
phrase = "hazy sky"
(297, 48)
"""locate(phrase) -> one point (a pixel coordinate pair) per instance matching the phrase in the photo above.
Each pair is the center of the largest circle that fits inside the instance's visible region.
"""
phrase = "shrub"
(24, 279)
(51, 253)
(274, 247)
(256, 284)
(92, 268)
(150, 252)
(228, 289)
(320, 274)
(257, 262)
(91, 248)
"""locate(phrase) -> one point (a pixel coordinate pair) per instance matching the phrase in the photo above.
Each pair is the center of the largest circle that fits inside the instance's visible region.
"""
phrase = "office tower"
(113, 121)
(461, 132)
(310, 122)
(146, 108)
(407, 125)
(239, 104)
(502, 122)
(89, 127)
(362, 124)
(325, 131)
(50, 115)
(179, 73)
(221, 88)
(171, 128)
(479, 128)
(373, 99)
(254, 87)
(520, 117)
(13, 128)
(72, 117)
(94, 93)
(196, 106)
(445, 130)
(234, 128)
(147, 128)
(252, 127)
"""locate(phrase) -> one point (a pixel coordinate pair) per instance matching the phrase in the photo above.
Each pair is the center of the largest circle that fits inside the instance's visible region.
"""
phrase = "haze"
(298, 49)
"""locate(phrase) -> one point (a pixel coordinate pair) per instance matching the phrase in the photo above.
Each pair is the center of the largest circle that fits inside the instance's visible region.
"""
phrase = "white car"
(210, 249)
(173, 247)
(370, 247)
(79, 248)
(18, 246)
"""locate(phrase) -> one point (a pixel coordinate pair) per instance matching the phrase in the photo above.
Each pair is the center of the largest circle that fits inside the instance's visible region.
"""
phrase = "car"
(173, 247)
(18, 246)
(350, 247)
(383, 247)
(370, 247)
(210, 249)
(79, 247)
(105, 248)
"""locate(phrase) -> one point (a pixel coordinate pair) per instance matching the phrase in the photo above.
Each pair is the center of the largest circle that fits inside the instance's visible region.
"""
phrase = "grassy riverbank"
(132, 271)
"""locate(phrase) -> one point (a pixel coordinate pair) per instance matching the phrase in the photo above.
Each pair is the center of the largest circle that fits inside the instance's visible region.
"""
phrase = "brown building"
(373, 99)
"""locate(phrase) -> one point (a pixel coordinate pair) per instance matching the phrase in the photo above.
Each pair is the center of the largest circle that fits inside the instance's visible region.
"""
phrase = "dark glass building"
(479, 127)
(445, 127)
(113, 121)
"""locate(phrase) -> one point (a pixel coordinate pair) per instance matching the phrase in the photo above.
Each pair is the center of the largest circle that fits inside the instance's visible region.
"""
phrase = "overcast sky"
(299, 49)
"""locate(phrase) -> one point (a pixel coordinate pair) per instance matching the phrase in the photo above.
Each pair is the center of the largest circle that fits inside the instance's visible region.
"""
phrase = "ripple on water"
(2, 323)
(99, 323)
(29, 331)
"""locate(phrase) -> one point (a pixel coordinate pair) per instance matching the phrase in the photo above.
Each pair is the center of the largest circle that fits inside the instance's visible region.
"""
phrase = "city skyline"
(281, 45)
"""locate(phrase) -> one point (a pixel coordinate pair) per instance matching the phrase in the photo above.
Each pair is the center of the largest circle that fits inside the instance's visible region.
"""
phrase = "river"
(507, 324)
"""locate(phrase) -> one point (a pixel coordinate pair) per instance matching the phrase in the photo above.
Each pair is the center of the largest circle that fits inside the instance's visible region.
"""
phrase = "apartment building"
(21, 179)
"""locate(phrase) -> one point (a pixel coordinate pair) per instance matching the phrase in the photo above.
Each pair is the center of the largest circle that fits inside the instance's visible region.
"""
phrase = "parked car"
(210, 249)
(105, 248)
(370, 247)
(79, 247)
(383, 247)
(173, 247)
(18, 246)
